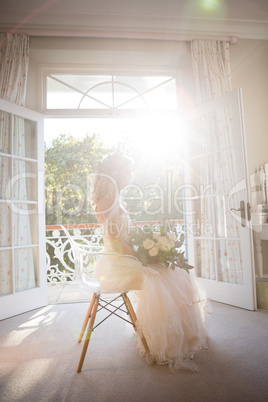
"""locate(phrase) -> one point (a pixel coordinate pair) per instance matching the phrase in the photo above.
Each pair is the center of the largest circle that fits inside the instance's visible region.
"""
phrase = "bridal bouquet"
(159, 247)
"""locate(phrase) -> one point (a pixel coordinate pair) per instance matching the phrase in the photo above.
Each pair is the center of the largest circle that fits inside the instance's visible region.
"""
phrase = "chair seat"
(93, 286)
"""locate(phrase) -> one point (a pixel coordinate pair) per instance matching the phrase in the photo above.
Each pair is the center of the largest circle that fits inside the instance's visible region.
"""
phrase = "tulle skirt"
(171, 309)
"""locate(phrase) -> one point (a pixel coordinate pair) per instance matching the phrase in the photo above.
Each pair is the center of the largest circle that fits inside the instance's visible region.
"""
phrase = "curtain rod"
(78, 33)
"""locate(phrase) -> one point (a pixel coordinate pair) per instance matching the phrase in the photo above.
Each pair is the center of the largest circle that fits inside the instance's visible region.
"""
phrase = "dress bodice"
(117, 226)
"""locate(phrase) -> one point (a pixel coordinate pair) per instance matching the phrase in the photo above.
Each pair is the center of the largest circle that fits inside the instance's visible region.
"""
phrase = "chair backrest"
(85, 257)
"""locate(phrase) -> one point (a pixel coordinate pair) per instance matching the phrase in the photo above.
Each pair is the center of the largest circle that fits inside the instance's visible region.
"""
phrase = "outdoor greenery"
(69, 167)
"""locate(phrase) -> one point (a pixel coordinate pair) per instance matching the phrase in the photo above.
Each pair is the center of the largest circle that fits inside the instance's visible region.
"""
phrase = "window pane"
(140, 83)
(227, 226)
(30, 139)
(202, 175)
(4, 176)
(197, 138)
(100, 97)
(163, 97)
(205, 259)
(25, 180)
(203, 222)
(25, 266)
(5, 229)
(82, 83)
(103, 92)
(24, 138)
(72, 90)
(24, 224)
(230, 262)
(6, 272)
(59, 96)
(5, 119)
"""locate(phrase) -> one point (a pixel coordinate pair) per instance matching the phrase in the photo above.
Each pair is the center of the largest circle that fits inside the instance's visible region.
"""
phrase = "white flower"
(148, 243)
(162, 240)
(154, 251)
(172, 243)
(165, 246)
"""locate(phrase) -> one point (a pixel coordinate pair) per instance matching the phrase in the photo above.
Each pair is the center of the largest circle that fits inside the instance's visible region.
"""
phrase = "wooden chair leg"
(87, 317)
(133, 318)
(88, 334)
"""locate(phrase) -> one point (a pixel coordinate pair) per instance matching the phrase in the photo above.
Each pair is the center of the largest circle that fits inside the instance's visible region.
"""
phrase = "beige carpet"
(39, 356)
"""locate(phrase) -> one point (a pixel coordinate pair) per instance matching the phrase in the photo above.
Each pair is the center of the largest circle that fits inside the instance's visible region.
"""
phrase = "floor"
(40, 353)
(70, 292)
(67, 292)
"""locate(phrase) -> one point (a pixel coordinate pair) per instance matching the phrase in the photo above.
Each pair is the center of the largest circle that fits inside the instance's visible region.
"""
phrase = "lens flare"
(210, 4)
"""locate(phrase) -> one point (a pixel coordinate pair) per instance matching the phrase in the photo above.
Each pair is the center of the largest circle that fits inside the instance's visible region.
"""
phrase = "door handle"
(242, 213)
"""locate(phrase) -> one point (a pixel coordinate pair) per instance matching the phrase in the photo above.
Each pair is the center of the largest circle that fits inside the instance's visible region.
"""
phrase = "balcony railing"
(59, 257)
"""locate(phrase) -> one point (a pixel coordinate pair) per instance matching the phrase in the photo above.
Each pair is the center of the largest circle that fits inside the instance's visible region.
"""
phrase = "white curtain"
(212, 74)
(14, 61)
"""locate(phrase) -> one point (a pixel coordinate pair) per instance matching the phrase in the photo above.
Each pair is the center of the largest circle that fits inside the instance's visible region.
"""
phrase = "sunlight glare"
(158, 136)
(152, 136)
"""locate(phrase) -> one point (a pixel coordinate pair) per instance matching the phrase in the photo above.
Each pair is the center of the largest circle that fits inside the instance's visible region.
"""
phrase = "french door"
(217, 206)
(22, 215)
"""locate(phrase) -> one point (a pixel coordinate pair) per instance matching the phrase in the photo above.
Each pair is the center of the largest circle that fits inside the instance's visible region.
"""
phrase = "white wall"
(249, 65)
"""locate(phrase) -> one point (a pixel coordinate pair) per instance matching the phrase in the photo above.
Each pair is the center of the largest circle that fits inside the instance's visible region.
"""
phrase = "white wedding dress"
(171, 307)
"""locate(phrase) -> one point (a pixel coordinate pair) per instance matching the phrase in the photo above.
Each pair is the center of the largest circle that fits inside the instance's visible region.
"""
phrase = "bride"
(170, 310)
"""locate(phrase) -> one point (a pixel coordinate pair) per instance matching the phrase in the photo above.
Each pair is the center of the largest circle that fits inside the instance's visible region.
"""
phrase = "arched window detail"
(78, 91)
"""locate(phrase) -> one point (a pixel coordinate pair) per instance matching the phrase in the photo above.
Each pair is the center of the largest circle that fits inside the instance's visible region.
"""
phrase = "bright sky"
(80, 127)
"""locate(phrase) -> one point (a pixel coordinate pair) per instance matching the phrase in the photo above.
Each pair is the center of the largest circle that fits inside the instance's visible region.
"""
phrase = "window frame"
(46, 70)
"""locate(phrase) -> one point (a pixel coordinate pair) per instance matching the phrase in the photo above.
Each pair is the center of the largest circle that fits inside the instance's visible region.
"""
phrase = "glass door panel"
(230, 261)
(22, 230)
(203, 219)
(24, 137)
(205, 259)
(6, 272)
(25, 224)
(5, 139)
(5, 229)
(226, 224)
(5, 175)
(25, 268)
(24, 183)
(217, 171)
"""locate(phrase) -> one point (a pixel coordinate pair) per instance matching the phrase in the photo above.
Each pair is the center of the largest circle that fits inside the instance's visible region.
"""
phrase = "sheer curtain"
(14, 61)
(212, 74)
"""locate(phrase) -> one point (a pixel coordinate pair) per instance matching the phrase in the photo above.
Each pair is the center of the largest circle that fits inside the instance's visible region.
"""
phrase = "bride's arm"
(109, 216)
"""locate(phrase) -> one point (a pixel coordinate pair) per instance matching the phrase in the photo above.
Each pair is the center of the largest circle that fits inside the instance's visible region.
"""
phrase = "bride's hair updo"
(107, 177)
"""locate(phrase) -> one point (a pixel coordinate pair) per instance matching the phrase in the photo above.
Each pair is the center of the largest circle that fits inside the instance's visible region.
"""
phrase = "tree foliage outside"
(69, 167)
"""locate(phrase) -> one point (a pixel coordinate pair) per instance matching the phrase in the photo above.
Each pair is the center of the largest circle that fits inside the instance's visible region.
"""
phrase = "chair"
(85, 257)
